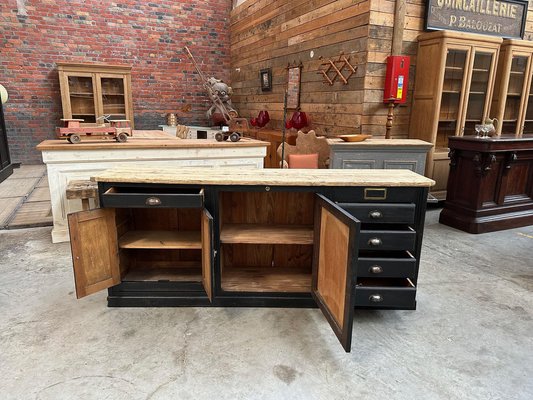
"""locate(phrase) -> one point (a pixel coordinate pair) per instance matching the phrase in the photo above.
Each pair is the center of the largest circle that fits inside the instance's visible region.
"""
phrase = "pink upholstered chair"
(306, 161)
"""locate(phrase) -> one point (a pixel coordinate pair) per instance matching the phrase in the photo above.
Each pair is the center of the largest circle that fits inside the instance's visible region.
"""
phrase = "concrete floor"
(471, 337)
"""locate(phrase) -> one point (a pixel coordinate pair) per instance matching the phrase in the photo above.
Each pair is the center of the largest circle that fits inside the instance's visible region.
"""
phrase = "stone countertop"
(268, 177)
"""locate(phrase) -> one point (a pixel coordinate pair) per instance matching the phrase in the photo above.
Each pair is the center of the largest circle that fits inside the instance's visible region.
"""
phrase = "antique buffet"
(256, 237)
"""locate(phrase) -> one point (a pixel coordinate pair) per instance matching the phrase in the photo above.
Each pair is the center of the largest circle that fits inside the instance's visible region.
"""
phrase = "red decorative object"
(288, 124)
(298, 120)
(253, 121)
(263, 118)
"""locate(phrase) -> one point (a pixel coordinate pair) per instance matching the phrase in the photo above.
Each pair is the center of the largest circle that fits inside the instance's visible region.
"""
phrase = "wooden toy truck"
(73, 132)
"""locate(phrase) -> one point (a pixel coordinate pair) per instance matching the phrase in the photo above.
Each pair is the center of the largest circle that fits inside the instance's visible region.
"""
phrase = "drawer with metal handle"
(388, 264)
(385, 293)
(150, 197)
(379, 213)
(387, 237)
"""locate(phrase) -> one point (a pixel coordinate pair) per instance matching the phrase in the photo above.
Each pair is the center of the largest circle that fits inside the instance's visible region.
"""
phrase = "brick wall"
(148, 35)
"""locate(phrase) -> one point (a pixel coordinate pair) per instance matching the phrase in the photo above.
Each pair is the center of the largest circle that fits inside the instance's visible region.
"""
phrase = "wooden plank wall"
(274, 33)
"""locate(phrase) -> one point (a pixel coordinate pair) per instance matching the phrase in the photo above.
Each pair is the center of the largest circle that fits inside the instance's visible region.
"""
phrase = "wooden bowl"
(354, 138)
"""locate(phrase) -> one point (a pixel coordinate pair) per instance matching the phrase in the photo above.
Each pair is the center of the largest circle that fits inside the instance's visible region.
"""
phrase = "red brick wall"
(148, 35)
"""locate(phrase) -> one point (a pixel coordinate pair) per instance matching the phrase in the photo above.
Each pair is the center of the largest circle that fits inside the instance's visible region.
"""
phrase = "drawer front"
(398, 266)
(381, 212)
(376, 194)
(133, 197)
(399, 294)
(387, 239)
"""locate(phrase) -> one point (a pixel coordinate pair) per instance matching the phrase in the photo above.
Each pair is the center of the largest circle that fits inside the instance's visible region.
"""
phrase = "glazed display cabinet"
(512, 102)
(90, 92)
(453, 92)
(264, 238)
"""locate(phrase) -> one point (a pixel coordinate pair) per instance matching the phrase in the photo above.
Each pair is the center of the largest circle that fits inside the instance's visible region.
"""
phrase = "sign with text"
(505, 18)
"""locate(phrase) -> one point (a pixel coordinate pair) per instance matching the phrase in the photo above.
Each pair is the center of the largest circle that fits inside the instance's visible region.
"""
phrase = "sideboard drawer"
(385, 293)
(401, 237)
(381, 212)
(139, 197)
(392, 264)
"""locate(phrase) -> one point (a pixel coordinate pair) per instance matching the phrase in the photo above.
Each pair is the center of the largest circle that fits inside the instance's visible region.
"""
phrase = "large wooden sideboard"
(267, 237)
(66, 162)
(490, 185)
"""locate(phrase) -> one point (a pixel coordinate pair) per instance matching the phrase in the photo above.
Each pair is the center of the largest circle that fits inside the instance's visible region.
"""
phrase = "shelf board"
(447, 120)
(514, 95)
(266, 234)
(92, 114)
(451, 92)
(160, 240)
(113, 94)
(477, 93)
(451, 68)
(510, 120)
(480, 70)
(516, 72)
(188, 274)
(266, 279)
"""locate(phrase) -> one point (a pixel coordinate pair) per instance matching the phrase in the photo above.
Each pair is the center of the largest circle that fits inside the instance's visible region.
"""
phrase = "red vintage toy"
(73, 132)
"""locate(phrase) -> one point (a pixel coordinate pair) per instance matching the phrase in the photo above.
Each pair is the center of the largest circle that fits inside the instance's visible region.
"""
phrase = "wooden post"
(399, 24)
(390, 117)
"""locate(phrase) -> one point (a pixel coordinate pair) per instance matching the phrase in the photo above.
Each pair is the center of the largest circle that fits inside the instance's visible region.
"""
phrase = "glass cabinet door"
(515, 91)
(528, 118)
(82, 101)
(113, 97)
(478, 94)
(454, 75)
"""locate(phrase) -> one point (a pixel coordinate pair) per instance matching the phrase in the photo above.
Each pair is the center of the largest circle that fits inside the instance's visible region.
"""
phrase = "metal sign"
(504, 18)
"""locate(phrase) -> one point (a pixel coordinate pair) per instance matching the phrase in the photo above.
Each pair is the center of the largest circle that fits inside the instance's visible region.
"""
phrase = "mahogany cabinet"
(453, 90)
(272, 237)
(91, 91)
(491, 183)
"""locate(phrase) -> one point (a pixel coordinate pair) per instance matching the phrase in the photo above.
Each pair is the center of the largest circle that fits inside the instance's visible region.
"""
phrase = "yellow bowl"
(354, 138)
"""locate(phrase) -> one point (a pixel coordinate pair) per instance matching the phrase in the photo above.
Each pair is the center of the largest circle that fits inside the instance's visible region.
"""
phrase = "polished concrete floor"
(471, 337)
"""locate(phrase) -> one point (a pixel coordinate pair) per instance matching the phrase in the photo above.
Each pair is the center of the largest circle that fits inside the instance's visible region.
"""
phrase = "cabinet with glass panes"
(453, 92)
(92, 92)
(512, 103)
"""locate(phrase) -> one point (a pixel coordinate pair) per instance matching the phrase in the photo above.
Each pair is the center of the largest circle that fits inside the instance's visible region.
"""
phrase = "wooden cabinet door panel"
(93, 241)
(334, 266)
(207, 253)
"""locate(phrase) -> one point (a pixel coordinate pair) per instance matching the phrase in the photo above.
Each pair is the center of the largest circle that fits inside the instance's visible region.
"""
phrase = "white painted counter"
(66, 162)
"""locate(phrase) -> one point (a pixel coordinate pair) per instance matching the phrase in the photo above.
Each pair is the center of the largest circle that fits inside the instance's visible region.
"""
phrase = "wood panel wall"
(272, 34)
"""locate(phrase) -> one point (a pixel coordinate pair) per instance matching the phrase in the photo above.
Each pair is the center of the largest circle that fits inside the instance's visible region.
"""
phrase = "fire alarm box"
(396, 79)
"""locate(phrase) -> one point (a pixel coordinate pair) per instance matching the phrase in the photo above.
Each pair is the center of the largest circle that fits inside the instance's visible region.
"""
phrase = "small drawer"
(385, 293)
(381, 212)
(386, 237)
(147, 197)
(389, 264)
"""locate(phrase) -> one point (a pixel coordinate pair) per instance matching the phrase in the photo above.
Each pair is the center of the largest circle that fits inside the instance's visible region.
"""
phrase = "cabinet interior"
(162, 244)
(266, 241)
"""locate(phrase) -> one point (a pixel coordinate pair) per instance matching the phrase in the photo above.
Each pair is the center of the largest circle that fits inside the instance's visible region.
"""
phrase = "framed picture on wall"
(265, 75)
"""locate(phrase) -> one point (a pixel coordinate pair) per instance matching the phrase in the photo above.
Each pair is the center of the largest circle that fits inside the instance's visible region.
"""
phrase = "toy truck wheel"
(122, 137)
(234, 137)
(219, 137)
(74, 138)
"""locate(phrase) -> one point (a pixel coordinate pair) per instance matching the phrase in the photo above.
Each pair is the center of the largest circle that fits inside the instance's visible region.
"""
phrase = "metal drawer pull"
(153, 201)
(375, 214)
(375, 269)
(375, 242)
(375, 298)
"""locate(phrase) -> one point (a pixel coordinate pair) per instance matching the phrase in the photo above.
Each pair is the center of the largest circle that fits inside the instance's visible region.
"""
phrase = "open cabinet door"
(207, 253)
(334, 266)
(93, 241)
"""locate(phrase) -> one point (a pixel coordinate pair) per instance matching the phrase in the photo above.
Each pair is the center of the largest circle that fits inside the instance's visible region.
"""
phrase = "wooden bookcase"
(90, 91)
(512, 103)
(453, 92)
(271, 237)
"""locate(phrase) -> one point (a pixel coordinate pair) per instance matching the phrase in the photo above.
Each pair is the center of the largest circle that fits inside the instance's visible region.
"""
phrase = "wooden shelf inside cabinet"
(266, 234)
(160, 240)
(266, 279)
(187, 274)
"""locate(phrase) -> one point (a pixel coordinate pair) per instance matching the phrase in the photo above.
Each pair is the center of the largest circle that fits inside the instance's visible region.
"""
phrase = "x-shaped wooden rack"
(337, 67)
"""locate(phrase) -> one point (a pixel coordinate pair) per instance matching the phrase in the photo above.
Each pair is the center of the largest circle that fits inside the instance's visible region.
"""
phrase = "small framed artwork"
(265, 76)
